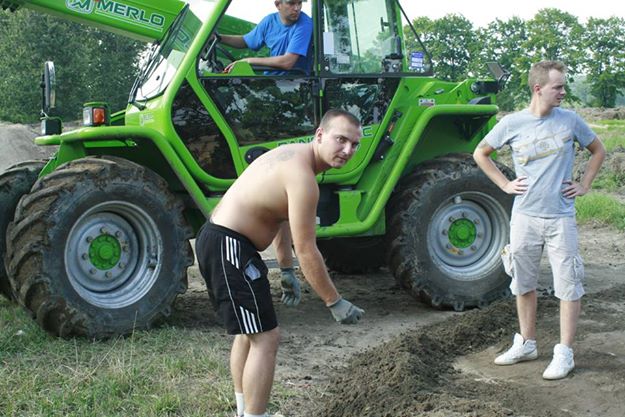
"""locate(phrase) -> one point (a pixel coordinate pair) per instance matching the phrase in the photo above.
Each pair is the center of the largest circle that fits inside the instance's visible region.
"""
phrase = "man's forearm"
(235, 41)
(316, 274)
(490, 169)
(593, 166)
(285, 62)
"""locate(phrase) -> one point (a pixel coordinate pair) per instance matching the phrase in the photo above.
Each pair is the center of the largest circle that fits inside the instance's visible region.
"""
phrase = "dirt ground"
(407, 359)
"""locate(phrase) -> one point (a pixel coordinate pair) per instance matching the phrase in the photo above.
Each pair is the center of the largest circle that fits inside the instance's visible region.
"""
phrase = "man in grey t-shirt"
(542, 139)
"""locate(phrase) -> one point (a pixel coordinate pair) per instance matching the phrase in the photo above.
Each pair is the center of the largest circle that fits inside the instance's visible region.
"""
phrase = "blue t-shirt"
(542, 150)
(282, 39)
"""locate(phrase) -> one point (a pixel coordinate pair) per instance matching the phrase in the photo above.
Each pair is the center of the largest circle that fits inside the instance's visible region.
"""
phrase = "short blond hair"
(539, 73)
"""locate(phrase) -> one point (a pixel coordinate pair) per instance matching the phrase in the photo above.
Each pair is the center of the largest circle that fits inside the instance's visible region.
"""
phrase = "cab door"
(359, 54)
(261, 108)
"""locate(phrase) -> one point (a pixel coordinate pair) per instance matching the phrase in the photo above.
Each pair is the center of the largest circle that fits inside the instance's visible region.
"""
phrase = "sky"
(482, 12)
(479, 12)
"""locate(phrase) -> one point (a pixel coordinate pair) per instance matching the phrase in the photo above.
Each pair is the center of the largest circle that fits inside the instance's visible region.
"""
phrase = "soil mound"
(600, 113)
(413, 373)
(16, 142)
(416, 374)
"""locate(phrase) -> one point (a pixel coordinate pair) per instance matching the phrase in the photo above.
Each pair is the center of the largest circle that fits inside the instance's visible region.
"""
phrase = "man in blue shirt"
(286, 33)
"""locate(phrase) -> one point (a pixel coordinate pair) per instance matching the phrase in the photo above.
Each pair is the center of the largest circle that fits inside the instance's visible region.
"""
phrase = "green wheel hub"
(465, 232)
(105, 252)
(462, 233)
(110, 251)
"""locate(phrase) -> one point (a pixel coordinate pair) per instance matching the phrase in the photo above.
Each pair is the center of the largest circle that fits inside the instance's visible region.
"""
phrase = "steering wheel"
(209, 55)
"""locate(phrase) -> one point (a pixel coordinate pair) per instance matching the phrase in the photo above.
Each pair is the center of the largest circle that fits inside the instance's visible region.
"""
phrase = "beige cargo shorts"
(521, 258)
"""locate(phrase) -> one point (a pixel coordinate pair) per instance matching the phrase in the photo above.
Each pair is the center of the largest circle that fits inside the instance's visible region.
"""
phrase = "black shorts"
(236, 277)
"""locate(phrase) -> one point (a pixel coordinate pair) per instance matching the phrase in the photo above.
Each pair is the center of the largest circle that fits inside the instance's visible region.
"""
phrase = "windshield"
(166, 56)
(364, 36)
(359, 36)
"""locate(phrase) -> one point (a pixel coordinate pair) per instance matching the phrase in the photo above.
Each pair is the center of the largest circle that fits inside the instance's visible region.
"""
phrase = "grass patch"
(611, 176)
(164, 372)
(612, 134)
(609, 180)
(602, 208)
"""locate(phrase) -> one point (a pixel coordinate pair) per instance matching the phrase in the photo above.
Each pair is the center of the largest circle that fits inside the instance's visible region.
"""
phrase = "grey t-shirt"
(543, 150)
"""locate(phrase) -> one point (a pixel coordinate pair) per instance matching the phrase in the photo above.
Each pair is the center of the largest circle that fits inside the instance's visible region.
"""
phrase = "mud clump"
(413, 373)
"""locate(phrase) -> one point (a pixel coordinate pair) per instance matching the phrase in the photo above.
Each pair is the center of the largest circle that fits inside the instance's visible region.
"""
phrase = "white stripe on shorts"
(232, 251)
(249, 321)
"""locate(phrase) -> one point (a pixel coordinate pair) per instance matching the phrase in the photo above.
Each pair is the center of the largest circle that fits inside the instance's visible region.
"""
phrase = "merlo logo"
(80, 6)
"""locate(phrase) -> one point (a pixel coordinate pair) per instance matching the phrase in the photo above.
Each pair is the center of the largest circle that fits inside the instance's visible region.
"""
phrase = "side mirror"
(498, 72)
(48, 87)
(49, 125)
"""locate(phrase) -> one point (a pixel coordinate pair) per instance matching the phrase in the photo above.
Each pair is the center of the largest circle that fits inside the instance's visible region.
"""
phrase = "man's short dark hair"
(334, 113)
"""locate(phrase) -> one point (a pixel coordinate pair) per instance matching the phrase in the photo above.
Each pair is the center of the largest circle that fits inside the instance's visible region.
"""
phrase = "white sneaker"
(521, 350)
(561, 364)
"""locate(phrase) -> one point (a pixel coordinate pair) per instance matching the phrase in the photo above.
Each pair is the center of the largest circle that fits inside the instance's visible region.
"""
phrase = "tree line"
(594, 52)
(97, 65)
(91, 65)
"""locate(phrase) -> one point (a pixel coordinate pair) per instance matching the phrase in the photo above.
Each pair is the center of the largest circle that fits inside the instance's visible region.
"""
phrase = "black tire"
(99, 248)
(355, 255)
(447, 225)
(16, 181)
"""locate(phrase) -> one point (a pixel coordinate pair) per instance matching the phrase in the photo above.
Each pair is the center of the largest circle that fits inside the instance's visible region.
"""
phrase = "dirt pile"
(599, 113)
(414, 374)
(16, 142)
(417, 374)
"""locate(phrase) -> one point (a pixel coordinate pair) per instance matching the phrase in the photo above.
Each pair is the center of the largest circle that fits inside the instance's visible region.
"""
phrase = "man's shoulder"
(304, 19)
(515, 119)
(293, 154)
(517, 115)
(270, 20)
(566, 113)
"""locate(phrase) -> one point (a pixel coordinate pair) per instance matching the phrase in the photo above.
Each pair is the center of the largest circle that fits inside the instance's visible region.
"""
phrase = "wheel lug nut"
(92, 271)
(451, 219)
(108, 275)
(473, 248)
(89, 239)
(84, 256)
(104, 231)
(118, 234)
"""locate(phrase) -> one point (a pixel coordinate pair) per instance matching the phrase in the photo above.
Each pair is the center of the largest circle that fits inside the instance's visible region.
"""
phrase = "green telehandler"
(96, 240)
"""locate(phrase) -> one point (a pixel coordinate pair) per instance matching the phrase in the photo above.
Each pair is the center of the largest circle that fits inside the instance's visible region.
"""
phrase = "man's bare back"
(257, 203)
(280, 186)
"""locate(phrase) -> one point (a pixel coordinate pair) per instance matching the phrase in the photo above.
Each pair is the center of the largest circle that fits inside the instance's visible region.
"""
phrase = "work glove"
(291, 290)
(345, 312)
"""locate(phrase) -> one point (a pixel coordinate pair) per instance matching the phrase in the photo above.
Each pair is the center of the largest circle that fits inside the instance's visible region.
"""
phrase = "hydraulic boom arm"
(145, 20)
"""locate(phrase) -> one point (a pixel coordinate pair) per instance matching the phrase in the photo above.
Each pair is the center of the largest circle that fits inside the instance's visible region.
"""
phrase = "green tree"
(451, 41)
(553, 35)
(603, 42)
(502, 41)
(90, 65)
(424, 28)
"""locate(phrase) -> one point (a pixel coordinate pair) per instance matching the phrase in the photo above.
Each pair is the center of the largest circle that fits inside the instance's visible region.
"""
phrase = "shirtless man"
(277, 187)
